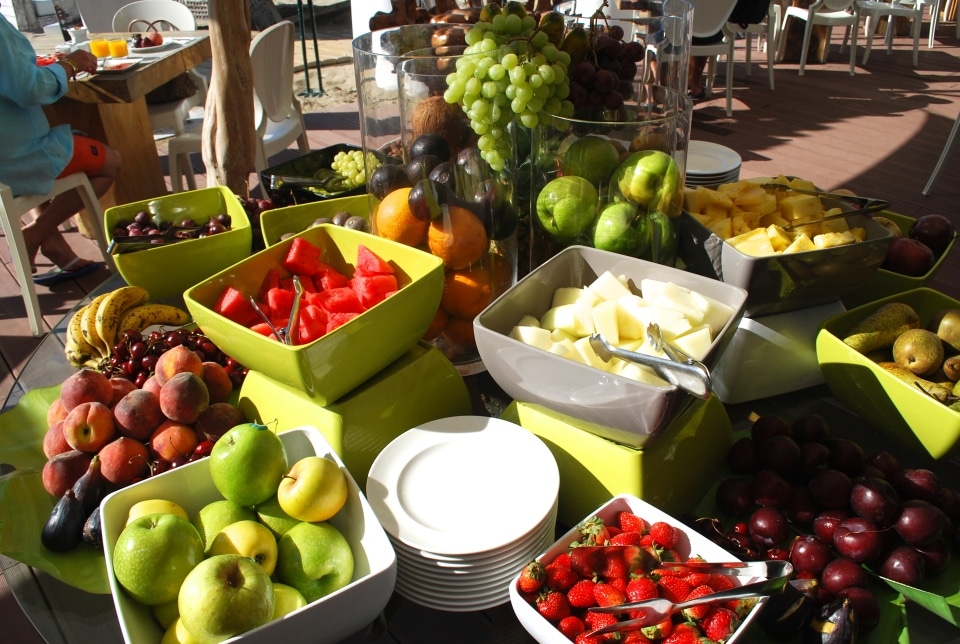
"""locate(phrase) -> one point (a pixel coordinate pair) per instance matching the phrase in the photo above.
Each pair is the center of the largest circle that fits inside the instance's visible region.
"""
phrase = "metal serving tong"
(277, 181)
(861, 205)
(282, 334)
(679, 370)
(121, 244)
(587, 561)
(654, 611)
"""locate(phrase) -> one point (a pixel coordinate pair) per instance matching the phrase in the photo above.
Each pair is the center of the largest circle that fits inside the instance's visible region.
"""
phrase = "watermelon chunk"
(340, 300)
(329, 277)
(312, 323)
(301, 257)
(279, 301)
(233, 305)
(271, 280)
(337, 319)
(369, 263)
(373, 289)
(263, 329)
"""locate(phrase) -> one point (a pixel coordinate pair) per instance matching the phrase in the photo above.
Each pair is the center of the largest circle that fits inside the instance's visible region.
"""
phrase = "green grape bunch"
(512, 69)
(351, 165)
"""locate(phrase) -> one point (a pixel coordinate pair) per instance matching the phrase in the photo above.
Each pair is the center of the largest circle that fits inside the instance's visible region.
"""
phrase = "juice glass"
(118, 48)
(100, 47)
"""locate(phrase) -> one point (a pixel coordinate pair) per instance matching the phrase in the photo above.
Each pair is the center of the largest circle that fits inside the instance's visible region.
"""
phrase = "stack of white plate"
(467, 502)
(710, 164)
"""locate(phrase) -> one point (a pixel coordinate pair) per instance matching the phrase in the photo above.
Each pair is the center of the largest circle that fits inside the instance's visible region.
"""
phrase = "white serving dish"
(329, 619)
(690, 544)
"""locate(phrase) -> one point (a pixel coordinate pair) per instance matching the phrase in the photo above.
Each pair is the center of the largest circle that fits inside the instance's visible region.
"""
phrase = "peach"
(54, 442)
(152, 385)
(121, 387)
(218, 381)
(217, 419)
(86, 385)
(138, 414)
(173, 440)
(183, 397)
(89, 426)
(55, 412)
(123, 460)
(179, 359)
(62, 471)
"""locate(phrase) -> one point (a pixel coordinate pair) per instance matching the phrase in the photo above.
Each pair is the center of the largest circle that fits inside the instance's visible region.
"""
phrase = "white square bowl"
(330, 618)
(691, 543)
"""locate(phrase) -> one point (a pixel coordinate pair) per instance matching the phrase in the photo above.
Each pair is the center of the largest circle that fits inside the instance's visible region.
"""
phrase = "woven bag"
(175, 89)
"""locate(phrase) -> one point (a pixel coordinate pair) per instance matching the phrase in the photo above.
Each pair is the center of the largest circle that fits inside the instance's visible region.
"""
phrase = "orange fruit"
(394, 220)
(466, 292)
(437, 325)
(458, 238)
(460, 331)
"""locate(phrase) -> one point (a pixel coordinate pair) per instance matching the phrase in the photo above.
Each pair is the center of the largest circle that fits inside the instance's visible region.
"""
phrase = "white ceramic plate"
(478, 602)
(704, 157)
(166, 44)
(463, 485)
(117, 65)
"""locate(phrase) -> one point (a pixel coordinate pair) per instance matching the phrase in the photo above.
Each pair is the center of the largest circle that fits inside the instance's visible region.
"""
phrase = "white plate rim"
(103, 69)
(711, 158)
(147, 50)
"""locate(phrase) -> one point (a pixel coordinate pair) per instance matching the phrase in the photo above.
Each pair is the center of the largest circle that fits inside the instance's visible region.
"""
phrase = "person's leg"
(102, 165)
(695, 76)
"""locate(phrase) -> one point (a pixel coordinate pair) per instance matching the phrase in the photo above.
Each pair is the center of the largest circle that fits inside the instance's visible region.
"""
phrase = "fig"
(64, 528)
(92, 529)
(91, 487)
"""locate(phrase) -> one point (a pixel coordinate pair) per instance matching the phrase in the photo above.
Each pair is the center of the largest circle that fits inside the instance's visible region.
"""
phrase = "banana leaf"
(25, 504)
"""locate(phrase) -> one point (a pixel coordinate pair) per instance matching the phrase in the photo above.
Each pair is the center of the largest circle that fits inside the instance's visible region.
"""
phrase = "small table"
(112, 108)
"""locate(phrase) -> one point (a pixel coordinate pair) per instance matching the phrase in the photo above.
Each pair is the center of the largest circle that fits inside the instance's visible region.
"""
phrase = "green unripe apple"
(314, 558)
(247, 463)
(651, 179)
(621, 229)
(567, 206)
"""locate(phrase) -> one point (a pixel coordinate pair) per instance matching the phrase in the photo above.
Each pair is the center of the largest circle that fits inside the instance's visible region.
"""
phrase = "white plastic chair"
(830, 13)
(12, 209)
(768, 36)
(942, 161)
(710, 17)
(872, 11)
(277, 114)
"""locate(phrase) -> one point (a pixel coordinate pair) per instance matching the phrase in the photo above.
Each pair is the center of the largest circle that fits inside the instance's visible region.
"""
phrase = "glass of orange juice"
(100, 47)
(118, 47)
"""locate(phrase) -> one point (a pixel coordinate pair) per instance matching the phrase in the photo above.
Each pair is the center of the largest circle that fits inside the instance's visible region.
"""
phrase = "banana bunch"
(93, 330)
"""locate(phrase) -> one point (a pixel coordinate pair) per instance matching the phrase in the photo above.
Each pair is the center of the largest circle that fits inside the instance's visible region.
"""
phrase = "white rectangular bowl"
(329, 619)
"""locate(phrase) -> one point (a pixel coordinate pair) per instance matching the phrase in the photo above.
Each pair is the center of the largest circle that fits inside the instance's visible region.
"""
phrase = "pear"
(951, 368)
(932, 389)
(946, 324)
(918, 350)
(882, 327)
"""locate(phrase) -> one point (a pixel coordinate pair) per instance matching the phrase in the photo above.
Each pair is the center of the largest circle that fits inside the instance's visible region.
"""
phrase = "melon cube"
(528, 320)
(589, 356)
(696, 343)
(533, 336)
(608, 287)
(566, 295)
(604, 317)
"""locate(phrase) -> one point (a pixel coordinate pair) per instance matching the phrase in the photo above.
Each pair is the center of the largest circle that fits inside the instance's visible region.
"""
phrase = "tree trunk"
(228, 131)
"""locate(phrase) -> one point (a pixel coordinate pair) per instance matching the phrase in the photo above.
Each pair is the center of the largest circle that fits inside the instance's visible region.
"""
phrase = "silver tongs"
(121, 244)
(588, 561)
(654, 611)
(277, 181)
(284, 334)
(861, 205)
(679, 370)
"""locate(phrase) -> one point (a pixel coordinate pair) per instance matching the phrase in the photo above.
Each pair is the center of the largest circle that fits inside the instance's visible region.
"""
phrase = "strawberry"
(615, 566)
(634, 637)
(594, 621)
(531, 578)
(630, 522)
(664, 535)
(721, 582)
(608, 595)
(559, 577)
(626, 538)
(697, 579)
(719, 624)
(553, 605)
(684, 633)
(593, 532)
(619, 584)
(581, 594)
(583, 638)
(571, 626)
(562, 559)
(658, 631)
(741, 607)
(641, 589)
(695, 613)
(673, 588)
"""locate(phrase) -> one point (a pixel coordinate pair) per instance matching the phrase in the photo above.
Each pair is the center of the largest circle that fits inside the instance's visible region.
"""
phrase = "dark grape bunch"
(135, 355)
(821, 502)
(603, 78)
(143, 225)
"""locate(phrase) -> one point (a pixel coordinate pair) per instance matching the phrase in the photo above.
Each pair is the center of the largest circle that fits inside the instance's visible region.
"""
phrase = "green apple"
(314, 558)
(166, 614)
(286, 599)
(225, 595)
(567, 206)
(154, 554)
(592, 157)
(247, 463)
(651, 179)
(214, 517)
(154, 506)
(621, 229)
(313, 490)
(249, 539)
(177, 633)
(272, 515)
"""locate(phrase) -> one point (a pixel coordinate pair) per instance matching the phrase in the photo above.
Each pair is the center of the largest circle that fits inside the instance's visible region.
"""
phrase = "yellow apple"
(249, 539)
(166, 614)
(286, 599)
(155, 506)
(176, 633)
(313, 490)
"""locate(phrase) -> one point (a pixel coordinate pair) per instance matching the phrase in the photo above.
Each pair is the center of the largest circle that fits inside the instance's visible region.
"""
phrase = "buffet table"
(63, 614)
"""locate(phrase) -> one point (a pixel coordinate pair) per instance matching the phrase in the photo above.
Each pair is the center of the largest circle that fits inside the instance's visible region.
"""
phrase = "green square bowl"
(277, 222)
(169, 270)
(904, 411)
(884, 283)
(341, 360)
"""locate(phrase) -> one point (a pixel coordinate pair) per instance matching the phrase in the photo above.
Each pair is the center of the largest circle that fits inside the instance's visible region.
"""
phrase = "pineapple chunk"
(801, 184)
(722, 228)
(713, 211)
(755, 243)
(691, 200)
(859, 234)
(778, 238)
(710, 197)
(773, 219)
(837, 225)
(801, 207)
(703, 219)
(740, 225)
(829, 240)
(801, 243)
(750, 197)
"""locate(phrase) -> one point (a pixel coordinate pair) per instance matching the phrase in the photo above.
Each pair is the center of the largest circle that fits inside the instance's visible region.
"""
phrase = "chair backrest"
(837, 5)
(271, 63)
(710, 16)
(170, 11)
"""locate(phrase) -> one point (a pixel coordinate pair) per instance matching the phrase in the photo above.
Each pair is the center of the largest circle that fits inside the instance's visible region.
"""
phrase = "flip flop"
(57, 275)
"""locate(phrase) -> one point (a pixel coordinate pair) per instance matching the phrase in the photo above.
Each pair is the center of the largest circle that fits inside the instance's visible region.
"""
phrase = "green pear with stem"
(881, 328)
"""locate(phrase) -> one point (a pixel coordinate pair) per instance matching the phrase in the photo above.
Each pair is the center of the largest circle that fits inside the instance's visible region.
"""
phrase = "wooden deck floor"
(878, 133)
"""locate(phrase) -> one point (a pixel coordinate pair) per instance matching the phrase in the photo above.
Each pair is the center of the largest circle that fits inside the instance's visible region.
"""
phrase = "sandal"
(68, 272)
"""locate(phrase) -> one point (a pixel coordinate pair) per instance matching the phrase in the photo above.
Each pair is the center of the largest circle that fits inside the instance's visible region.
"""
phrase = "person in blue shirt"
(33, 154)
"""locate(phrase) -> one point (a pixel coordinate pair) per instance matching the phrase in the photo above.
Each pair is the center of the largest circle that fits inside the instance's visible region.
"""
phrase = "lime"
(567, 206)
(593, 158)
